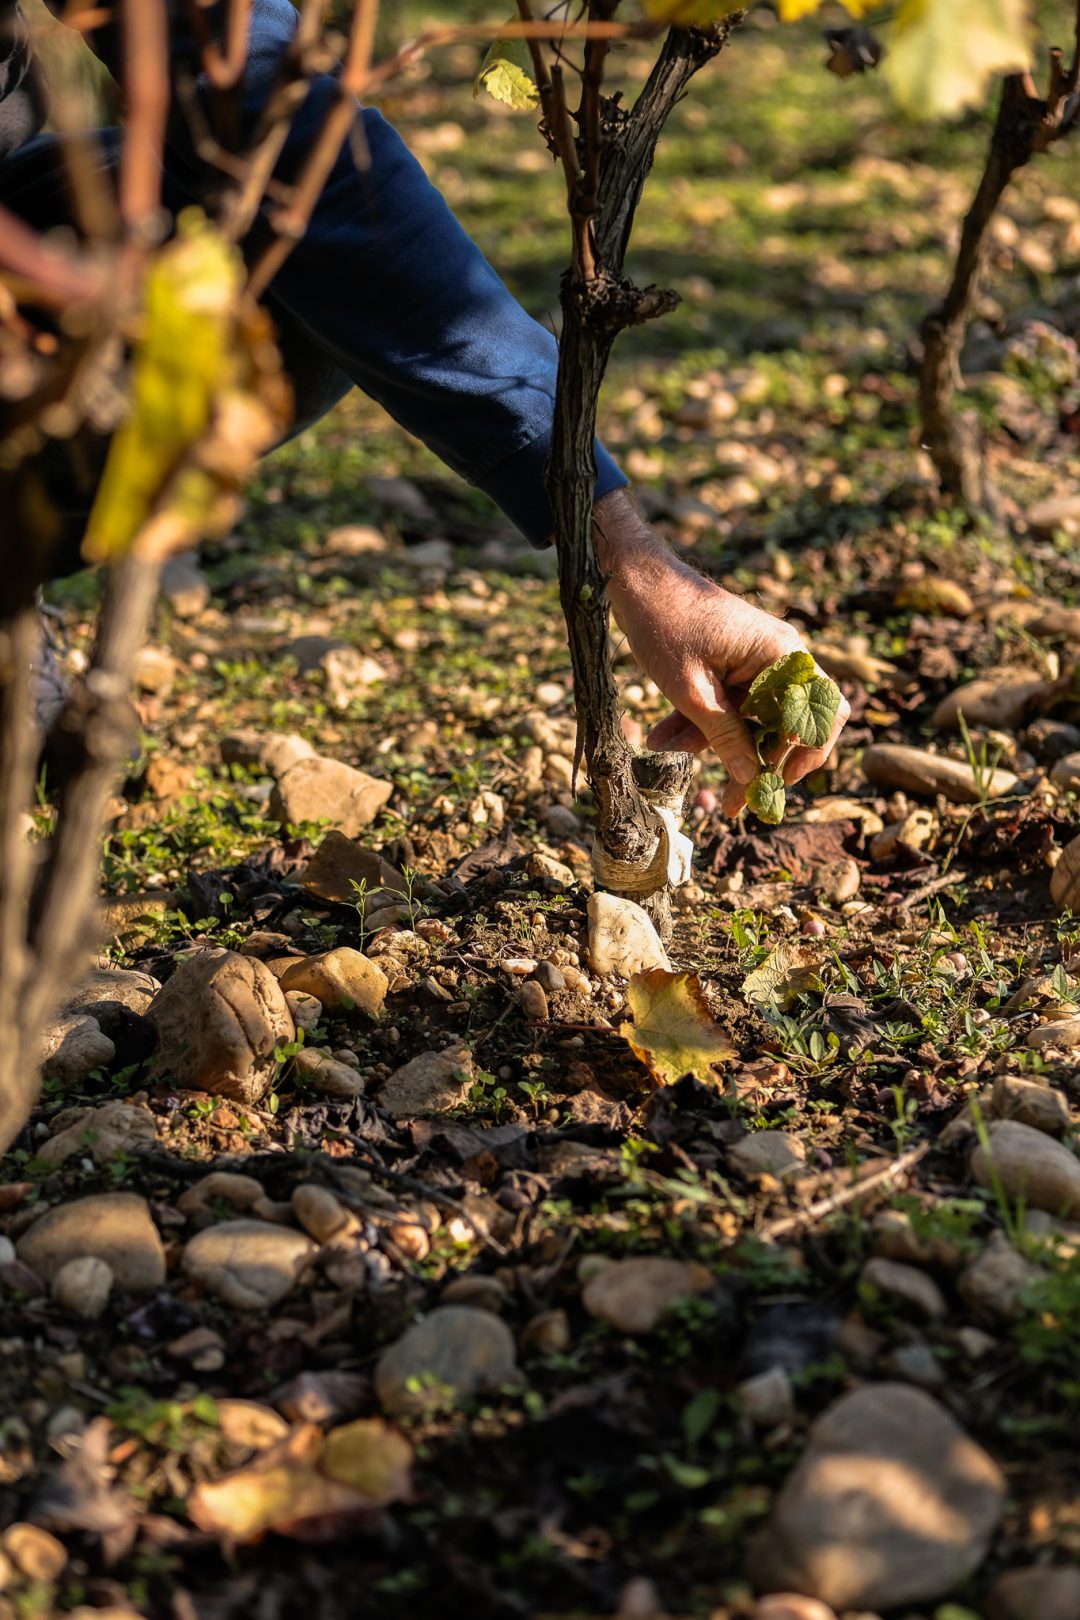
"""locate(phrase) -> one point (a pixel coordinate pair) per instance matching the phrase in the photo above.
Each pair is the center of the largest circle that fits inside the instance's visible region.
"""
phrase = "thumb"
(709, 708)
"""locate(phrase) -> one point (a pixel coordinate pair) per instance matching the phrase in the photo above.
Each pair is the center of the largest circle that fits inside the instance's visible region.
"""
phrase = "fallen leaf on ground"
(786, 972)
(673, 1032)
(310, 1486)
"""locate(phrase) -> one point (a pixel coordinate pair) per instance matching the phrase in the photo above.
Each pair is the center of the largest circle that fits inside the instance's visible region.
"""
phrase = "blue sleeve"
(389, 284)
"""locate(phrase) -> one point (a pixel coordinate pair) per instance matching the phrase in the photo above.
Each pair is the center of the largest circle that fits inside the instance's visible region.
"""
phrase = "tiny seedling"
(789, 705)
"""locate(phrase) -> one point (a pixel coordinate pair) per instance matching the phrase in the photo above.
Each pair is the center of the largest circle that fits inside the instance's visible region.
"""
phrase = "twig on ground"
(848, 1195)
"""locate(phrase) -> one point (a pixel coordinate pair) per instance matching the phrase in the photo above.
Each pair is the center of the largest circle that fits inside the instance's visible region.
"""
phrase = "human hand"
(701, 645)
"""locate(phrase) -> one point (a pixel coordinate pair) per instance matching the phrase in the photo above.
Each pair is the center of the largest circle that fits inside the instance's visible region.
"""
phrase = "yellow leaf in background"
(942, 54)
(691, 13)
(794, 966)
(673, 1032)
(206, 397)
(792, 10)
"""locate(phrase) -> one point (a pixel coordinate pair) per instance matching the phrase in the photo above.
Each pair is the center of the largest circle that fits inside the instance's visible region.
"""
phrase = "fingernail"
(743, 770)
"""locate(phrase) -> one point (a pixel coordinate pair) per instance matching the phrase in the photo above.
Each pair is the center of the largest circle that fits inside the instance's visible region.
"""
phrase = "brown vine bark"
(1026, 124)
(613, 155)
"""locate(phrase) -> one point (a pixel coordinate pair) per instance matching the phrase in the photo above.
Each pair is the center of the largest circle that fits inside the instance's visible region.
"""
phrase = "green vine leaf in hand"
(789, 703)
(794, 700)
(767, 797)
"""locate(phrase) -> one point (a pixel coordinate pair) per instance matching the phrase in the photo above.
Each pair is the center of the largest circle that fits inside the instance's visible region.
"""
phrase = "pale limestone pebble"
(792, 1606)
(334, 977)
(319, 789)
(430, 1084)
(836, 808)
(1065, 772)
(915, 1363)
(484, 1293)
(975, 1343)
(915, 831)
(356, 540)
(271, 752)
(324, 1074)
(326, 1398)
(622, 938)
(201, 1348)
(1029, 1165)
(894, 1236)
(306, 1010)
(1045, 518)
(82, 1286)
(1061, 1033)
(1065, 878)
(340, 867)
(74, 1046)
(1043, 1592)
(1031, 1103)
(906, 1286)
(916, 770)
(518, 967)
(993, 1286)
(554, 875)
(347, 673)
(133, 918)
(250, 1265)
(852, 660)
(185, 587)
(547, 1333)
(37, 1555)
(114, 1227)
(319, 1212)
(449, 1355)
(84, 1612)
(250, 1424)
(220, 1186)
(219, 1020)
(533, 1003)
(154, 670)
(102, 1132)
(768, 1398)
(108, 987)
(635, 1295)
(838, 882)
(891, 1504)
(768, 1153)
(1002, 699)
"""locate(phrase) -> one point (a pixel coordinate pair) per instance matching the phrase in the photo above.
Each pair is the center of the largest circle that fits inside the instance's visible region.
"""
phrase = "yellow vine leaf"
(690, 13)
(307, 1485)
(792, 10)
(506, 73)
(942, 54)
(207, 396)
(673, 1032)
(697, 13)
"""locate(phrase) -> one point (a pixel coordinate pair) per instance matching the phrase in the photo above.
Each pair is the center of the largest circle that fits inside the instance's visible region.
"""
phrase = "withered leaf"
(309, 1485)
(673, 1032)
(793, 967)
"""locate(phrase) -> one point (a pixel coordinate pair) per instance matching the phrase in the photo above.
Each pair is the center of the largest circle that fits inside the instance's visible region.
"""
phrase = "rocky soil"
(365, 1254)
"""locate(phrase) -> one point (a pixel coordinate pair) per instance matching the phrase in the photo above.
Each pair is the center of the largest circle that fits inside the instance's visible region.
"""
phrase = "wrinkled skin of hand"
(700, 644)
